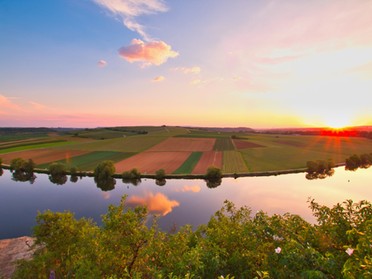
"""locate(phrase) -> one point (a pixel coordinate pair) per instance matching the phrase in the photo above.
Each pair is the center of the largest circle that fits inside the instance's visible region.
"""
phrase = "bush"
(160, 174)
(213, 173)
(57, 169)
(234, 242)
(133, 174)
(104, 170)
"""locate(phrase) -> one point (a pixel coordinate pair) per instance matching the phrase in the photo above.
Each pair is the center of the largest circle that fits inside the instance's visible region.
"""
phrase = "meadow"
(177, 150)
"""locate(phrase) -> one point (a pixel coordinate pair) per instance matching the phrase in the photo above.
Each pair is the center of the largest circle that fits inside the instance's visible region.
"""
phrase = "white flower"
(278, 250)
(349, 251)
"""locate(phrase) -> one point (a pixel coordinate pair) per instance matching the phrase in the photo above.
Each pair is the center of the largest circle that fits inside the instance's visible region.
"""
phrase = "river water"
(179, 201)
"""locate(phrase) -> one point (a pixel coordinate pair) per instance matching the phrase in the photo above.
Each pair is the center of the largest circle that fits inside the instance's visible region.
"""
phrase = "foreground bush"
(233, 243)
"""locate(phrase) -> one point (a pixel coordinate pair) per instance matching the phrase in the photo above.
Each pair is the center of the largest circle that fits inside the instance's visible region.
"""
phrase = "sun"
(337, 122)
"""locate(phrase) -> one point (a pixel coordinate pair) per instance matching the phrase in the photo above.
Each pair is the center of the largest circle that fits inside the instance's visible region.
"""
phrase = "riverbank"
(190, 176)
(12, 250)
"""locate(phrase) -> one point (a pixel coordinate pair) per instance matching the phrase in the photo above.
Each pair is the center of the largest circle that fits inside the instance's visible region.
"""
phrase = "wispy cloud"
(102, 63)
(188, 70)
(158, 79)
(151, 53)
(193, 188)
(128, 10)
(6, 105)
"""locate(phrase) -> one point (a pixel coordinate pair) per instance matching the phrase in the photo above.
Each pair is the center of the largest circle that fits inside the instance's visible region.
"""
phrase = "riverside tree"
(103, 175)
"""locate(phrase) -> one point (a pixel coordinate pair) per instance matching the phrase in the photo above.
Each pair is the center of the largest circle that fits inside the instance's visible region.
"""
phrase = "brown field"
(42, 156)
(210, 158)
(243, 144)
(185, 144)
(150, 162)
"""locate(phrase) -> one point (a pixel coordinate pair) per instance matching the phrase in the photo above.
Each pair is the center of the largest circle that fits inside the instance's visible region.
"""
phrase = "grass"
(223, 144)
(233, 162)
(189, 164)
(9, 138)
(91, 160)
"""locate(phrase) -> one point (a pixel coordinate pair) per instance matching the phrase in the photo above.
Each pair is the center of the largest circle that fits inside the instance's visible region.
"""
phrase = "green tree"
(104, 170)
(22, 170)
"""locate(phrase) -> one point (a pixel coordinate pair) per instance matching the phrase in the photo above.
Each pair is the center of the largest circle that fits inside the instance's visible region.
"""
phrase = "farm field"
(177, 150)
(209, 158)
(150, 162)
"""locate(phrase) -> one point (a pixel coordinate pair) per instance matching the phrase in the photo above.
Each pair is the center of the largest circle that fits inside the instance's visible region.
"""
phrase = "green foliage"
(160, 174)
(1, 162)
(362, 161)
(133, 174)
(213, 173)
(56, 169)
(104, 170)
(319, 169)
(22, 170)
(232, 243)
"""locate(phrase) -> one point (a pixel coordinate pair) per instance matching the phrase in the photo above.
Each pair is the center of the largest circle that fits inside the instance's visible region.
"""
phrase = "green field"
(269, 152)
(189, 164)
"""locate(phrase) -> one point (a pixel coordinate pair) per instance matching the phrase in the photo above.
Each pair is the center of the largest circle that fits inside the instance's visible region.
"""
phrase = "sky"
(241, 63)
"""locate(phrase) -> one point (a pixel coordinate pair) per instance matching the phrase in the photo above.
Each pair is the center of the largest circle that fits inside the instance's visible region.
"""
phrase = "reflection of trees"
(133, 181)
(160, 182)
(74, 178)
(319, 169)
(105, 184)
(22, 176)
(1, 171)
(213, 183)
(312, 176)
(58, 179)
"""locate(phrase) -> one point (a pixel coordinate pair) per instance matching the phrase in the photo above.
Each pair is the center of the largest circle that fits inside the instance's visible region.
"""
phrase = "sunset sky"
(259, 64)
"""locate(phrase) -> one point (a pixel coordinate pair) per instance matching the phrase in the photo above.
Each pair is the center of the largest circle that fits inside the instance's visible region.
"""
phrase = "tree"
(22, 170)
(104, 170)
(213, 177)
(103, 175)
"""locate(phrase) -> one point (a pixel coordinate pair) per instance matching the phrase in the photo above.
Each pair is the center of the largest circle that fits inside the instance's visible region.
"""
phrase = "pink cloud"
(6, 105)
(102, 63)
(150, 53)
(188, 70)
(158, 79)
(186, 188)
(158, 203)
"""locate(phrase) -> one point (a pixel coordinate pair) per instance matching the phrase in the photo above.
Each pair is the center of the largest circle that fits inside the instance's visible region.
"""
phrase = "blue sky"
(252, 63)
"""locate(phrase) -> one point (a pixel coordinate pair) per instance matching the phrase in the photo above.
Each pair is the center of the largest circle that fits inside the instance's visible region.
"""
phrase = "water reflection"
(22, 176)
(180, 201)
(160, 182)
(156, 203)
(105, 184)
(58, 179)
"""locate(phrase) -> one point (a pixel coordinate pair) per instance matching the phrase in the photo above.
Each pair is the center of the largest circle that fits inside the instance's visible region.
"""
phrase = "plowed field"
(185, 144)
(150, 162)
(210, 158)
(242, 144)
(42, 156)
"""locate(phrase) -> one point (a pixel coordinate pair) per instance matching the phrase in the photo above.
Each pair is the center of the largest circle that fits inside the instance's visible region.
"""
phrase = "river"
(179, 201)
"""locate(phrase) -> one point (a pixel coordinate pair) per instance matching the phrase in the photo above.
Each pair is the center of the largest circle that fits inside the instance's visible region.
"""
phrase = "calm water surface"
(179, 202)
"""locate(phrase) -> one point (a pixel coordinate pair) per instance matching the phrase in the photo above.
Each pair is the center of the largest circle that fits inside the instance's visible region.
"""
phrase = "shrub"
(56, 169)
(133, 174)
(160, 174)
(104, 170)
(213, 173)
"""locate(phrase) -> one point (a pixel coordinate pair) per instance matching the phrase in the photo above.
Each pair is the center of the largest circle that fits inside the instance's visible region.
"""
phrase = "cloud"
(188, 70)
(128, 10)
(102, 63)
(186, 188)
(158, 79)
(6, 105)
(150, 53)
(158, 203)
